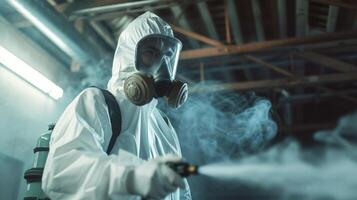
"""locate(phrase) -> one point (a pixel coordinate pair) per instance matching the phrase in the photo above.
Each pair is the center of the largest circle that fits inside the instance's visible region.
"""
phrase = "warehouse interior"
(300, 56)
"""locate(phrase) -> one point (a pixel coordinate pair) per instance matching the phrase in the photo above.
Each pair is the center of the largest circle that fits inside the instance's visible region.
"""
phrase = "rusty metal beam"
(227, 23)
(279, 83)
(266, 45)
(327, 61)
(197, 36)
(321, 58)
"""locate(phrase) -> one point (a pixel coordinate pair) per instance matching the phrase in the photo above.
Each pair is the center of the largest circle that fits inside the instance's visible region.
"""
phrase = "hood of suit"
(124, 57)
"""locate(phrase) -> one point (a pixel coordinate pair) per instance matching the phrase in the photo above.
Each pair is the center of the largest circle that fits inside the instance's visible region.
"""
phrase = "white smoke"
(327, 173)
(216, 127)
(97, 74)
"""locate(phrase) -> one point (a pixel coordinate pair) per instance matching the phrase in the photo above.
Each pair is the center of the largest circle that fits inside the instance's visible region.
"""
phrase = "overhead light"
(40, 25)
(28, 73)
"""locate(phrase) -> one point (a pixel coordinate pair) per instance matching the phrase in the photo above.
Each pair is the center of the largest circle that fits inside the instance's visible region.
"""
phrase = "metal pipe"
(106, 35)
(288, 116)
(119, 6)
(57, 29)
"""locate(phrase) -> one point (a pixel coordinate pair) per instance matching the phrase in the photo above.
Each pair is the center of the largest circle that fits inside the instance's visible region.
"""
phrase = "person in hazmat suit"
(144, 69)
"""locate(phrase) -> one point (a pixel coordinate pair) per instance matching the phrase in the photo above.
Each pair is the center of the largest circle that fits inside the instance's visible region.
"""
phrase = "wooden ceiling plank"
(266, 45)
(314, 80)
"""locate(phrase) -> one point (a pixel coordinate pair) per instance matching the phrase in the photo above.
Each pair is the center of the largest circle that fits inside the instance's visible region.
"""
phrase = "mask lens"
(149, 51)
(149, 56)
(154, 52)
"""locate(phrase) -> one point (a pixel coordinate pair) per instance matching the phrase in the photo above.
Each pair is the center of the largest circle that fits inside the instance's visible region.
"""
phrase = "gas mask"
(156, 58)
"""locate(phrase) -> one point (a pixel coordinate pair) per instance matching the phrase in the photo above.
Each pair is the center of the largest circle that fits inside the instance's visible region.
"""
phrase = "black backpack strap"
(115, 116)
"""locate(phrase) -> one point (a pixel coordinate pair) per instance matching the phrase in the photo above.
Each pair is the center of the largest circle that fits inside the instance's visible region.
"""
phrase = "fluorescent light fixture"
(40, 25)
(28, 73)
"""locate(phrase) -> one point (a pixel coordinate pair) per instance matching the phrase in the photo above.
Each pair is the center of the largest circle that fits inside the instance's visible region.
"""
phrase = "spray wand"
(183, 168)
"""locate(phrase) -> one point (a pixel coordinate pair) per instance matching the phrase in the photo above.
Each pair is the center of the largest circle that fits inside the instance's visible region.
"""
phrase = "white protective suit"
(77, 166)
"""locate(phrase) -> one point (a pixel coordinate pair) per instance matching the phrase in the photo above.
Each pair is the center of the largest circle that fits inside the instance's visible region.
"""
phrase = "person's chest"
(147, 135)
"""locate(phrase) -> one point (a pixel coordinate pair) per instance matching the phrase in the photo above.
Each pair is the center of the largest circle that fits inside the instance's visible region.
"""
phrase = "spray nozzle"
(183, 168)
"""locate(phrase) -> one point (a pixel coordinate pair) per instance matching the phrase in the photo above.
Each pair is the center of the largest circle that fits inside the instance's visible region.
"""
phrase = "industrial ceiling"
(301, 54)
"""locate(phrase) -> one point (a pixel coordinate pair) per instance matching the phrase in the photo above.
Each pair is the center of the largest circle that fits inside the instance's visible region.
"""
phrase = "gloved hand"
(154, 179)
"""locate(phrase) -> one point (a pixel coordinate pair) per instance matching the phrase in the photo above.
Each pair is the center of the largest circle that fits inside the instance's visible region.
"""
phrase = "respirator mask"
(156, 58)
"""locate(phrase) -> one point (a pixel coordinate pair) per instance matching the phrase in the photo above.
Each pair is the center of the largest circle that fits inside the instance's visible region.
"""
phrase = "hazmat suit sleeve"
(185, 194)
(77, 166)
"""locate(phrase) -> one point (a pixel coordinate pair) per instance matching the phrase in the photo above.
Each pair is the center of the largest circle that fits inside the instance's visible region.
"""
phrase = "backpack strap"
(115, 116)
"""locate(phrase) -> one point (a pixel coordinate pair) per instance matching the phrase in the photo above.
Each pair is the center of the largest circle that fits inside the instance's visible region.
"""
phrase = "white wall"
(24, 110)
(24, 114)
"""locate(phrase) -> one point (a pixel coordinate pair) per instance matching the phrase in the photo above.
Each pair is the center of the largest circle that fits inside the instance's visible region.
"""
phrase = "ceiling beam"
(227, 76)
(282, 18)
(351, 5)
(104, 33)
(209, 69)
(301, 24)
(113, 8)
(301, 29)
(332, 18)
(327, 61)
(235, 22)
(342, 95)
(227, 23)
(119, 24)
(77, 5)
(197, 36)
(279, 83)
(236, 30)
(266, 45)
(317, 96)
(95, 7)
(257, 14)
(207, 20)
(289, 74)
(57, 28)
(259, 29)
(268, 65)
(183, 22)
